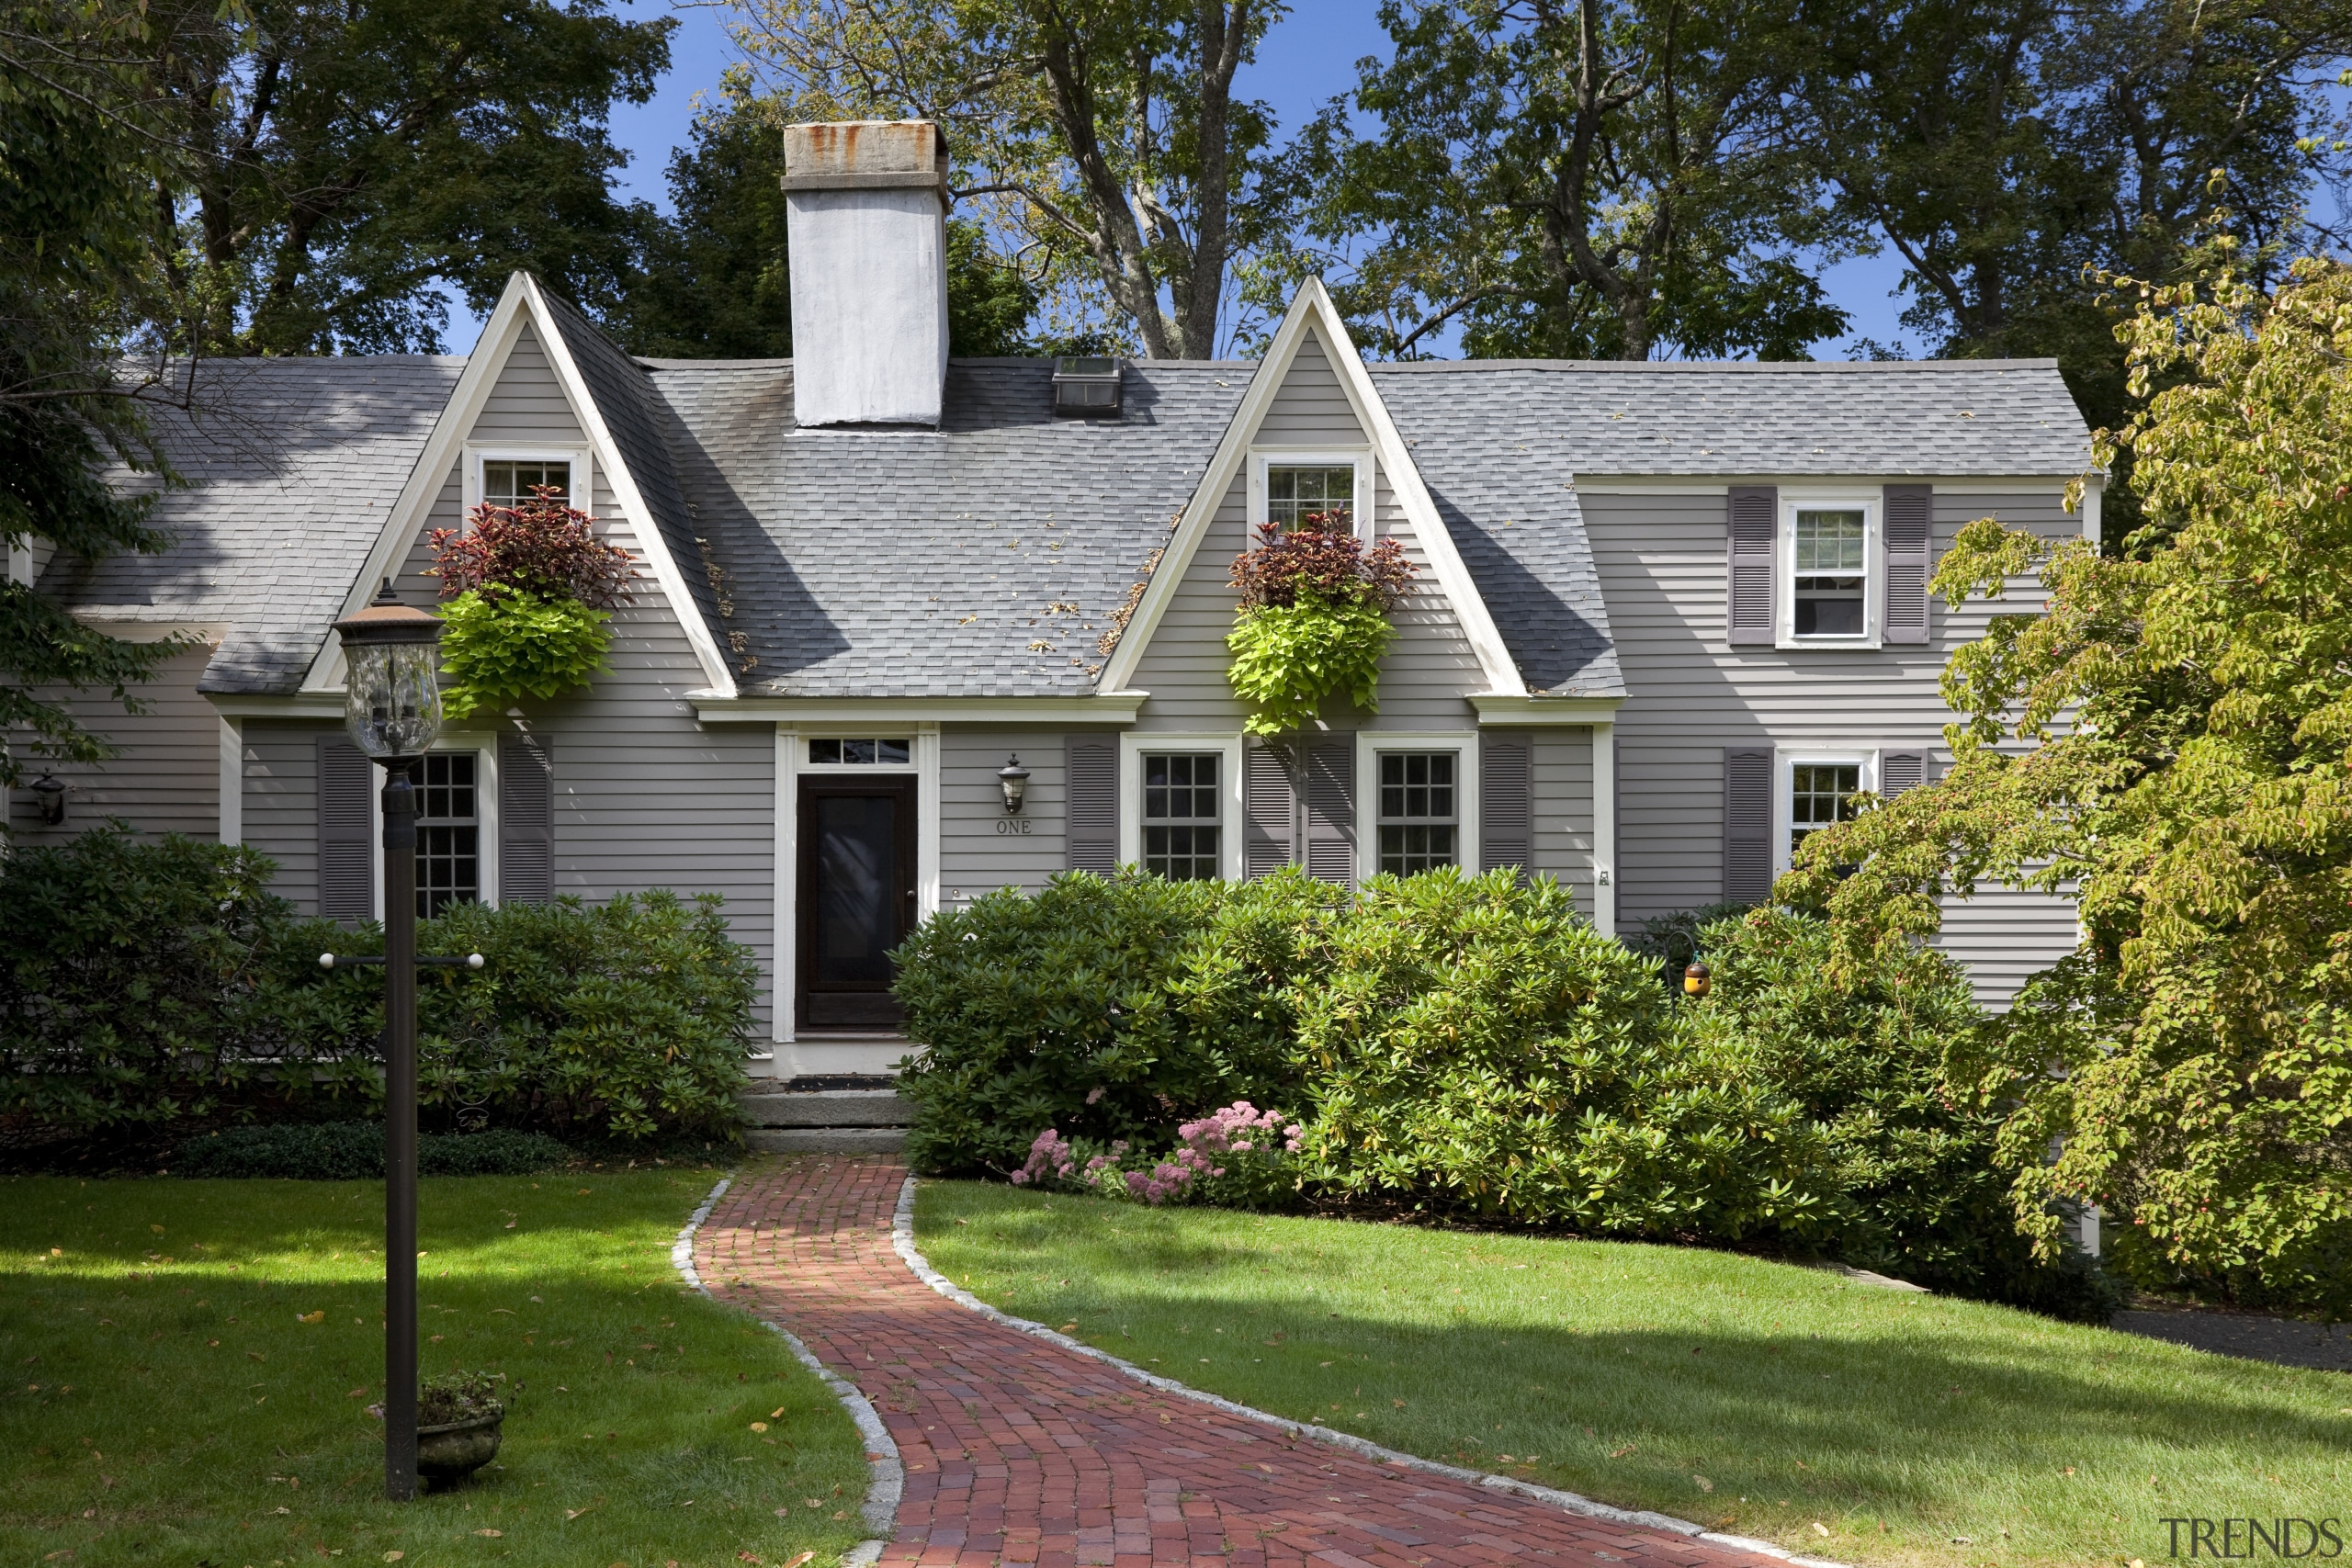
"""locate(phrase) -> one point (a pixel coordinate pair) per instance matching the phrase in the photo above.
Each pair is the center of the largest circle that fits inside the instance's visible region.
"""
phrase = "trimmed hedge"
(354, 1151)
(147, 980)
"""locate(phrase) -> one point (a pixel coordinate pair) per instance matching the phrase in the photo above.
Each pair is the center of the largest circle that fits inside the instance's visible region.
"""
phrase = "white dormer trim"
(1312, 306)
(520, 305)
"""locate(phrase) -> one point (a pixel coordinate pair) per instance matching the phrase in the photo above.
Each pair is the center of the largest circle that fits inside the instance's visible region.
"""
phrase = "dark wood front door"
(857, 898)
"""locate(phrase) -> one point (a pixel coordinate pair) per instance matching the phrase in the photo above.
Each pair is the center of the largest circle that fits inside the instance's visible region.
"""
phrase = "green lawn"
(1755, 1397)
(168, 1405)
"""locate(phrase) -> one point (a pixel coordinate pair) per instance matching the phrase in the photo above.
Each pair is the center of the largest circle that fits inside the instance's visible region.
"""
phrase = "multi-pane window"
(510, 483)
(871, 753)
(448, 831)
(1182, 815)
(1830, 564)
(1820, 794)
(1295, 493)
(1418, 820)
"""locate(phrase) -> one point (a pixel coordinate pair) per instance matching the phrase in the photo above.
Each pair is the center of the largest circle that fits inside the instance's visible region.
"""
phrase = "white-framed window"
(1418, 800)
(1207, 786)
(859, 752)
(1815, 789)
(503, 476)
(456, 826)
(1829, 551)
(1287, 485)
(1184, 815)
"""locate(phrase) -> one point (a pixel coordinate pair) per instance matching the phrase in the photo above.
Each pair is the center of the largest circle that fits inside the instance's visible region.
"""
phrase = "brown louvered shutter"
(1505, 814)
(1091, 789)
(1751, 527)
(1269, 812)
(1332, 811)
(1899, 771)
(1747, 824)
(526, 822)
(346, 831)
(1908, 512)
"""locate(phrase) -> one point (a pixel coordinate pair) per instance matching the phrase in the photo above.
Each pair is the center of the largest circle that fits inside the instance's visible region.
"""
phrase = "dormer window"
(507, 483)
(1832, 567)
(1293, 492)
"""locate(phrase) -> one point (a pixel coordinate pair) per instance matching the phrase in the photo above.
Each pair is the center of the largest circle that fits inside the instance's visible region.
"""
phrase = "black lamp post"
(392, 707)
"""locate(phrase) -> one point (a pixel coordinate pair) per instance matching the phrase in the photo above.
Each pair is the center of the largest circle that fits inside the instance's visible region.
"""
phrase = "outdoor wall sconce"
(1013, 779)
(49, 799)
(1695, 980)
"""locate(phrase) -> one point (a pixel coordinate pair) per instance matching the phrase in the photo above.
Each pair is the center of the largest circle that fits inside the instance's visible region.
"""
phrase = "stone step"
(828, 1108)
(825, 1140)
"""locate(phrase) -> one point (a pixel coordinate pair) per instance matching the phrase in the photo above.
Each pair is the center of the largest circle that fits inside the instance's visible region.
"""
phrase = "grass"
(170, 1402)
(1760, 1398)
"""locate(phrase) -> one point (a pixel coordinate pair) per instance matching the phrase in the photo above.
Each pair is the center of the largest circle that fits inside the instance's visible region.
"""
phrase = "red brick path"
(1017, 1452)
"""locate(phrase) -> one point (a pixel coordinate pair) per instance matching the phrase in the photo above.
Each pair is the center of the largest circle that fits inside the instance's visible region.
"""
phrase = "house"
(1668, 616)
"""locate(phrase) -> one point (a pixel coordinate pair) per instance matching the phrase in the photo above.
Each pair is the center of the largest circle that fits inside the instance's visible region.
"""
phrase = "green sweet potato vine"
(1314, 620)
(527, 591)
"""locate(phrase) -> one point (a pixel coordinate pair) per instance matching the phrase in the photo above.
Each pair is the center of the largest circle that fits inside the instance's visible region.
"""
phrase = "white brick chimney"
(865, 207)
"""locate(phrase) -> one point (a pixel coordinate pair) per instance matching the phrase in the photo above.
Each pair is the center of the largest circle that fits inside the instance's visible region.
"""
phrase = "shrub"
(458, 1396)
(354, 1151)
(1237, 1155)
(143, 981)
(138, 979)
(1108, 1009)
(503, 651)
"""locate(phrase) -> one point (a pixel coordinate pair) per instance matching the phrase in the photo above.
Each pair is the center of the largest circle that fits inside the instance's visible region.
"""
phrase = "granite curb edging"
(902, 1241)
(879, 1512)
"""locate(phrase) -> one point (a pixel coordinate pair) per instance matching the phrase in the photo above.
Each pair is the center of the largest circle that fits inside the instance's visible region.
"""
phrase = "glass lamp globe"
(392, 702)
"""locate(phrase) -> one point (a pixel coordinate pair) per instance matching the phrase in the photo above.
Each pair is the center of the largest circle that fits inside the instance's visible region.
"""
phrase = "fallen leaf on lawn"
(255, 1355)
(1067, 1328)
(281, 1508)
(796, 1561)
(571, 1514)
(56, 1556)
(493, 1534)
(1820, 1529)
(157, 1229)
(309, 1317)
(1620, 1453)
(745, 1557)
(1707, 1485)
(1398, 1403)
(778, 1413)
(394, 1556)
(759, 1425)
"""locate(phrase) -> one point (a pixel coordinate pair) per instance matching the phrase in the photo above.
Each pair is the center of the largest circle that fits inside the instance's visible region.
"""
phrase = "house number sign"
(1012, 827)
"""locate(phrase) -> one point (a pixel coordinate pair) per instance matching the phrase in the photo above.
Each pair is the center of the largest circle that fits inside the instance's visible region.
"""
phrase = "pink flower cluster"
(1256, 1129)
(1051, 1153)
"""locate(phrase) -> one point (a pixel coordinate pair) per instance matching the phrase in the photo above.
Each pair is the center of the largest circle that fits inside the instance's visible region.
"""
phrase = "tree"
(2002, 148)
(1107, 134)
(2173, 739)
(1597, 179)
(716, 281)
(342, 161)
(82, 153)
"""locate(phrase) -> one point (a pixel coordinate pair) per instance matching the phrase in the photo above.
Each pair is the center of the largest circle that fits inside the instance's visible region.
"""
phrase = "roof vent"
(1085, 386)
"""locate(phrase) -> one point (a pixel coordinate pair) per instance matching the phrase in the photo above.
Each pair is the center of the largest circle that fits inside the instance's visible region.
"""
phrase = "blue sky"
(1308, 56)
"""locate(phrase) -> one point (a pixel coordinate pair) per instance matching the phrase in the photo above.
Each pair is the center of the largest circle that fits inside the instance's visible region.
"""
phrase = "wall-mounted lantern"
(1013, 779)
(49, 799)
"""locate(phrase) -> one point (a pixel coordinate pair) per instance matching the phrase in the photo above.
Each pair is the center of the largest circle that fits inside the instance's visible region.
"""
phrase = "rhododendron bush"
(1234, 1154)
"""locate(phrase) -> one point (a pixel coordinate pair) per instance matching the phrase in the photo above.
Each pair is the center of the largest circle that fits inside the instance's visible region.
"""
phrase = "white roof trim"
(649, 530)
(1103, 707)
(1510, 708)
(1312, 306)
(518, 306)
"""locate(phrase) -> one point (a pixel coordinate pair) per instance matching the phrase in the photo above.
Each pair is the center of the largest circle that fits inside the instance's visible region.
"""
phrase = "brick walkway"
(1017, 1452)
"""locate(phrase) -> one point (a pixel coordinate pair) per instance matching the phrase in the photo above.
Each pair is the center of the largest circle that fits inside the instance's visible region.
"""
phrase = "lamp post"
(391, 706)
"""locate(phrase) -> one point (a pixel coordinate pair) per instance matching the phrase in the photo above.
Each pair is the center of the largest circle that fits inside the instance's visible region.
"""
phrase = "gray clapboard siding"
(1661, 558)
(1429, 666)
(528, 407)
(981, 848)
(166, 778)
(1562, 803)
(281, 779)
(414, 584)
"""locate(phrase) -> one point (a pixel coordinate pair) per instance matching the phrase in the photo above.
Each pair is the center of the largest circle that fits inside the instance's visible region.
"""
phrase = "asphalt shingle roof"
(983, 559)
(1947, 418)
(293, 464)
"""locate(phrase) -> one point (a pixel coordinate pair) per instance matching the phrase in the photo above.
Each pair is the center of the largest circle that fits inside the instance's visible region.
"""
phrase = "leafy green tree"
(716, 282)
(1596, 180)
(342, 162)
(2173, 741)
(82, 155)
(1106, 140)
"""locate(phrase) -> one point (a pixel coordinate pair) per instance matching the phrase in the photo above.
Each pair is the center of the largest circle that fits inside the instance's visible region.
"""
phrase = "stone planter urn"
(448, 1453)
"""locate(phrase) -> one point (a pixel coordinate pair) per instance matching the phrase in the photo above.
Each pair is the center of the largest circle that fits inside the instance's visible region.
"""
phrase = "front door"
(857, 898)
